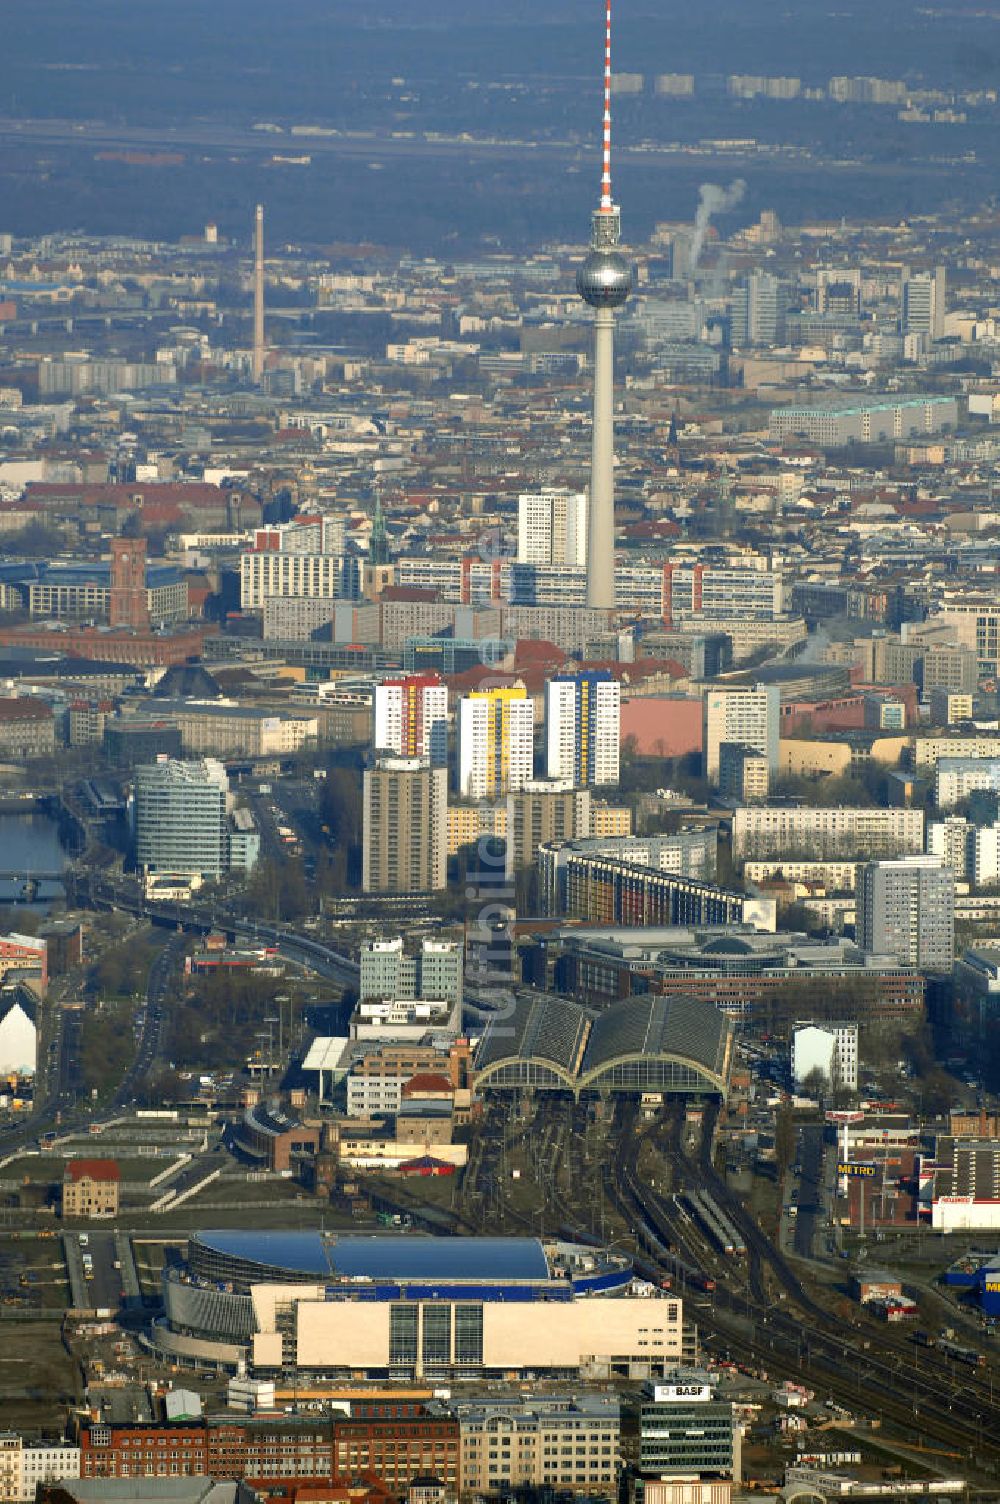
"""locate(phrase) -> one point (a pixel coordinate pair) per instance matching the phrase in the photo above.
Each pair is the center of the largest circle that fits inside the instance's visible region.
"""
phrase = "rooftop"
(92, 1169)
(385, 1257)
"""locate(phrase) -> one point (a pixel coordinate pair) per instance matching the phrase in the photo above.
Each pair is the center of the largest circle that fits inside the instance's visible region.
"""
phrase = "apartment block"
(410, 718)
(744, 773)
(540, 1442)
(824, 833)
(468, 824)
(831, 1049)
(747, 717)
(268, 572)
(495, 742)
(955, 778)
(583, 728)
(388, 970)
(552, 527)
(906, 909)
(405, 827)
(25, 1465)
(544, 810)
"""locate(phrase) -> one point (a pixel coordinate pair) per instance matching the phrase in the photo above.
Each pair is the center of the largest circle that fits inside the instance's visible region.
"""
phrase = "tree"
(36, 541)
(795, 916)
(814, 1082)
(277, 890)
(784, 1141)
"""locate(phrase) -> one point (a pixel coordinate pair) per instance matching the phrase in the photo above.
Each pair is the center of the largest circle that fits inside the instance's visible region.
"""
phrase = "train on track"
(716, 1224)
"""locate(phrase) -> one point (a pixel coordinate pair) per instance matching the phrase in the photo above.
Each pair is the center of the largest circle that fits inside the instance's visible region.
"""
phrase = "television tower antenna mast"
(258, 296)
(604, 281)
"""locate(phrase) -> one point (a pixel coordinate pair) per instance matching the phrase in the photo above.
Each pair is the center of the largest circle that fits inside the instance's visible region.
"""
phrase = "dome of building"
(187, 681)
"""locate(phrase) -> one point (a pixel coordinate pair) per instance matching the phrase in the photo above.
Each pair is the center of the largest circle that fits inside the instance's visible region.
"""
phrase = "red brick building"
(129, 602)
(135, 1451)
(155, 503)
(143, 648)
(393, 1443)
(398, 1441)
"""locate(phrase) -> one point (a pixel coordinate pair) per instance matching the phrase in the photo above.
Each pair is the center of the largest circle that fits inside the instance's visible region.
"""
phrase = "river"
(30, 844)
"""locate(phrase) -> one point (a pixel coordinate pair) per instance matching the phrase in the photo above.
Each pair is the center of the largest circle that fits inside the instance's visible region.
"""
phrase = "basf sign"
(671, 1393)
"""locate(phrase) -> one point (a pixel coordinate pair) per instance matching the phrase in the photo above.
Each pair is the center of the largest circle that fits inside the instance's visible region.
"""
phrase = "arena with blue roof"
(400, 1305)
(397, 1261)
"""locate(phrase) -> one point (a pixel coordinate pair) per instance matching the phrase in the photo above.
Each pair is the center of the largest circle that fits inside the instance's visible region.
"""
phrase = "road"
(102, 1289)
(809, 1217)
(116, 893)
(61, 1064)
(151, 1021)
(62, 1067)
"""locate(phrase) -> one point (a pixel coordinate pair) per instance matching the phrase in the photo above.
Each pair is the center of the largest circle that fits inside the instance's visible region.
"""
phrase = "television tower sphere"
(604, 280)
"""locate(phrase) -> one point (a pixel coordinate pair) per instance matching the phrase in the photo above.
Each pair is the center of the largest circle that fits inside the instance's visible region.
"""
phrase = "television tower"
(258, 297)
(604, 281)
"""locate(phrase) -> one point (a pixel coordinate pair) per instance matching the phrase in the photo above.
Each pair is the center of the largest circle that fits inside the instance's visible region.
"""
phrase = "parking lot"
(33, 1274)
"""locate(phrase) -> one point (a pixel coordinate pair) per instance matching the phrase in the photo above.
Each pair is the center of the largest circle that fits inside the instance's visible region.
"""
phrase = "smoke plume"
(712, 200)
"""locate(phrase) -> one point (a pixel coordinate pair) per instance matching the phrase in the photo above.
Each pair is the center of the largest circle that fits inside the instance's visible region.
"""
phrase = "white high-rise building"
(269, 572)
(552, 527)
(496, 737)
(831, 1048)
(986, 855)
(583, 728)
(906, 909)
(746, 716)
(758, 310)
(410, 718)
(950, 840)
(924, 303)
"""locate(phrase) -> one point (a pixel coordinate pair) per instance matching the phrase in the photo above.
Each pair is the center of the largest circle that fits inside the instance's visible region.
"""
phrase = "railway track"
(760, 1311)
(808, 1342)
(766, 1254)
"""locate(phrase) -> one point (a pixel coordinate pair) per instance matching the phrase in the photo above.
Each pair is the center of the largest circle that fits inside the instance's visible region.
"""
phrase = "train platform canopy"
(657, 1044)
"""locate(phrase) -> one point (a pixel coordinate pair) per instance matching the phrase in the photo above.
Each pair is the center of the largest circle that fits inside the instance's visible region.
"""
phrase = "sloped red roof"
(25, 710)
(471, 678)
(536, 650)
(92, 1169)
(642, 668)
(186, 494)
(426, 1081)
